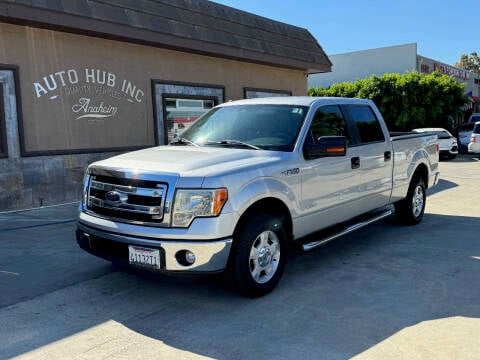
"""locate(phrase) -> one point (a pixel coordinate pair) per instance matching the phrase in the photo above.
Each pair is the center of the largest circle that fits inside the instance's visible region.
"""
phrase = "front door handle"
(387, 155)
(355, 162)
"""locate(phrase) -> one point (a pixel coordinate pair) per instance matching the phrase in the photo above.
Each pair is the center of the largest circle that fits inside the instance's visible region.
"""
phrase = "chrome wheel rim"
(417, 201)
(264, 257)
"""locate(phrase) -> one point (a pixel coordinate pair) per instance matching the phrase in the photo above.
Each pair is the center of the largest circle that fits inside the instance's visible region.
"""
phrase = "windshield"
(268, 127)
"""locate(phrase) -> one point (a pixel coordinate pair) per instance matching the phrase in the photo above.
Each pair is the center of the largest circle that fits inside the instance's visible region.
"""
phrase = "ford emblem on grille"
(112, 196)
(115, 198)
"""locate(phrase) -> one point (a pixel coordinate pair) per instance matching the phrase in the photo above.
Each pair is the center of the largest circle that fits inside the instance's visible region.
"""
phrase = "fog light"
(185, 257)
(190, 257)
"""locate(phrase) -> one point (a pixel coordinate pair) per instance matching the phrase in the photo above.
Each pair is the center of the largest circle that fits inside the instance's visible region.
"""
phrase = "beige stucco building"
(83, 80)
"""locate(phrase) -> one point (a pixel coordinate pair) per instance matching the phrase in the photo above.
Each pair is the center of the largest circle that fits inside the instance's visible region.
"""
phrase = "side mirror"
(326, 146)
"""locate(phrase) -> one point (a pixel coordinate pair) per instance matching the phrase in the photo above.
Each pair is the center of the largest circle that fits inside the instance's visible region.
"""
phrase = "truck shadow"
(346, 296)
(334, 302)
(441, 186)
(467, 158)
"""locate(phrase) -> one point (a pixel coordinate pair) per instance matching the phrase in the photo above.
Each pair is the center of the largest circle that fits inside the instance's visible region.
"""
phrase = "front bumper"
(211, 255)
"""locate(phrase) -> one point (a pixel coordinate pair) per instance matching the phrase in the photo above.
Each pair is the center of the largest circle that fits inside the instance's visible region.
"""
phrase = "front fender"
(262, 188)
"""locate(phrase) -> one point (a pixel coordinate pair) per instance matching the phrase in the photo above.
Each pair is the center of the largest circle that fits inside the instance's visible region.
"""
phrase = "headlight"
(192, 203)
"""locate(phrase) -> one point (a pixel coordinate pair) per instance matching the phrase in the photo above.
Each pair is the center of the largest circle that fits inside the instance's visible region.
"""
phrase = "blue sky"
(443, 30)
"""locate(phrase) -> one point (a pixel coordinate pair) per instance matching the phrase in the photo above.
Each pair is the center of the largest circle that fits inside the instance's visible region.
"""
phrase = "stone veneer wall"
(40, 181)
(27, 182)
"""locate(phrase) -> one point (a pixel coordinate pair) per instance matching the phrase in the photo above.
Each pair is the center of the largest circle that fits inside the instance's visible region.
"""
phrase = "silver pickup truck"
(251, 179)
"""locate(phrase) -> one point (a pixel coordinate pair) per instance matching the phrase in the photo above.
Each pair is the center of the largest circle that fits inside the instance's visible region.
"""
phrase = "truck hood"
(191, 161)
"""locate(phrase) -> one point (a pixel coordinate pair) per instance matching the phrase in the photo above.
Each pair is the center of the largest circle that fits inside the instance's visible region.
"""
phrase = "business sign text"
(94, 93)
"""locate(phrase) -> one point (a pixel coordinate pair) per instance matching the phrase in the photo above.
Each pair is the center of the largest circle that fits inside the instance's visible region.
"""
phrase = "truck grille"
(130, 200)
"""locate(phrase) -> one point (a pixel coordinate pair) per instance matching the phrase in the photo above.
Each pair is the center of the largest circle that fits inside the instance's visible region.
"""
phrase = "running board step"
(347, 230)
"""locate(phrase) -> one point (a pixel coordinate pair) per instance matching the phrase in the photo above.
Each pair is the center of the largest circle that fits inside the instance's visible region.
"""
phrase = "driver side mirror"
(326, 146)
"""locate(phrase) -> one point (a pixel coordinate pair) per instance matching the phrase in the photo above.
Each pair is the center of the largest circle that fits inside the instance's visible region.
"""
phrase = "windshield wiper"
(233, 143)
(183, 141)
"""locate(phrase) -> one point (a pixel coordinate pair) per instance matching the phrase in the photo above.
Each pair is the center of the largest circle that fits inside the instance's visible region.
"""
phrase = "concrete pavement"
(38, 253)
(385, 292)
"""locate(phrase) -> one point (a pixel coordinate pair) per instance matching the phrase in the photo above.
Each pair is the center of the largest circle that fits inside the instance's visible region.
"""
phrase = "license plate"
(144, 257)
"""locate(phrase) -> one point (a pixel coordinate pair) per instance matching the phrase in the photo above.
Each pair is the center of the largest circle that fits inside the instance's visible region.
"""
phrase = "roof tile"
(199, 25)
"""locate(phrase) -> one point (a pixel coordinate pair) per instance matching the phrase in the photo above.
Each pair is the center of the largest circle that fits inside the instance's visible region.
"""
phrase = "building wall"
(469, 79)
(72, 99)
(393, 59)
(361, 64)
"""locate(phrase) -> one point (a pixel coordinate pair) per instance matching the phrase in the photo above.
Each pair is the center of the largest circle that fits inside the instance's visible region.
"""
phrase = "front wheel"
(411, 209)
(258, 256)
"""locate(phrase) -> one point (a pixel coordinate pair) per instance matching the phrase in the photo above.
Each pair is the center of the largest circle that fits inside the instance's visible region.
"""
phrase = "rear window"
(443, 135)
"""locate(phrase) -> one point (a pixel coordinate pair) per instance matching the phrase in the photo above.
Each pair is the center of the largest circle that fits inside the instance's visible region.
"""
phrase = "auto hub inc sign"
(91, 94)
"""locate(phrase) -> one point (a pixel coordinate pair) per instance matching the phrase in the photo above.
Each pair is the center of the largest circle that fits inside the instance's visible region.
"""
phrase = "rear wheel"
(411, 209)
(258, 256)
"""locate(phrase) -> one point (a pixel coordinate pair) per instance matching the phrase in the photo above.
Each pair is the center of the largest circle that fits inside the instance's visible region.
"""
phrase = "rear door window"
(476, 130)
(364, 127)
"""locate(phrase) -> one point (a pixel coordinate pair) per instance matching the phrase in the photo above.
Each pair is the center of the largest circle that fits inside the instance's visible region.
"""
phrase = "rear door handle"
(387, 155)
(355, 162)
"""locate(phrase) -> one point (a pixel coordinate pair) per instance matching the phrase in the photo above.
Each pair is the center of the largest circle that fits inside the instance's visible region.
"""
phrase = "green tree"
(406, 101)
(469, 62)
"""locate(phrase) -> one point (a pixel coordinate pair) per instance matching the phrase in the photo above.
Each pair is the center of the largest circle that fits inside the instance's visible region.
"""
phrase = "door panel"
(375, 153)
(374, 175)
(336, 189)
(328, 183)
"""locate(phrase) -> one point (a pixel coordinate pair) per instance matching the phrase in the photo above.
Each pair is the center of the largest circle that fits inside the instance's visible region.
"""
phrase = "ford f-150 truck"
(251, 179)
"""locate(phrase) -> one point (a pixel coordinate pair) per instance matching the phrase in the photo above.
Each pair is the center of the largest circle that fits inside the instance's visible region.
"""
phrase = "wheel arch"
(269, 206)
(422, 172)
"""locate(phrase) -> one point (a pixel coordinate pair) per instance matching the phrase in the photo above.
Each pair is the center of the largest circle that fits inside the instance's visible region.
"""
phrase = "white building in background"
(392, 59)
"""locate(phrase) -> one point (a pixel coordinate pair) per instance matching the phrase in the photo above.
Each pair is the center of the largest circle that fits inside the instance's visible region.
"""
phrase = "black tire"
(258, 256)
(410, 210)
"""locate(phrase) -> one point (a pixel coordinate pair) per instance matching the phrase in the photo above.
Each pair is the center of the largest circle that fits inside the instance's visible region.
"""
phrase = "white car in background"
(446, 141)
(463, 133)
(474, 144)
